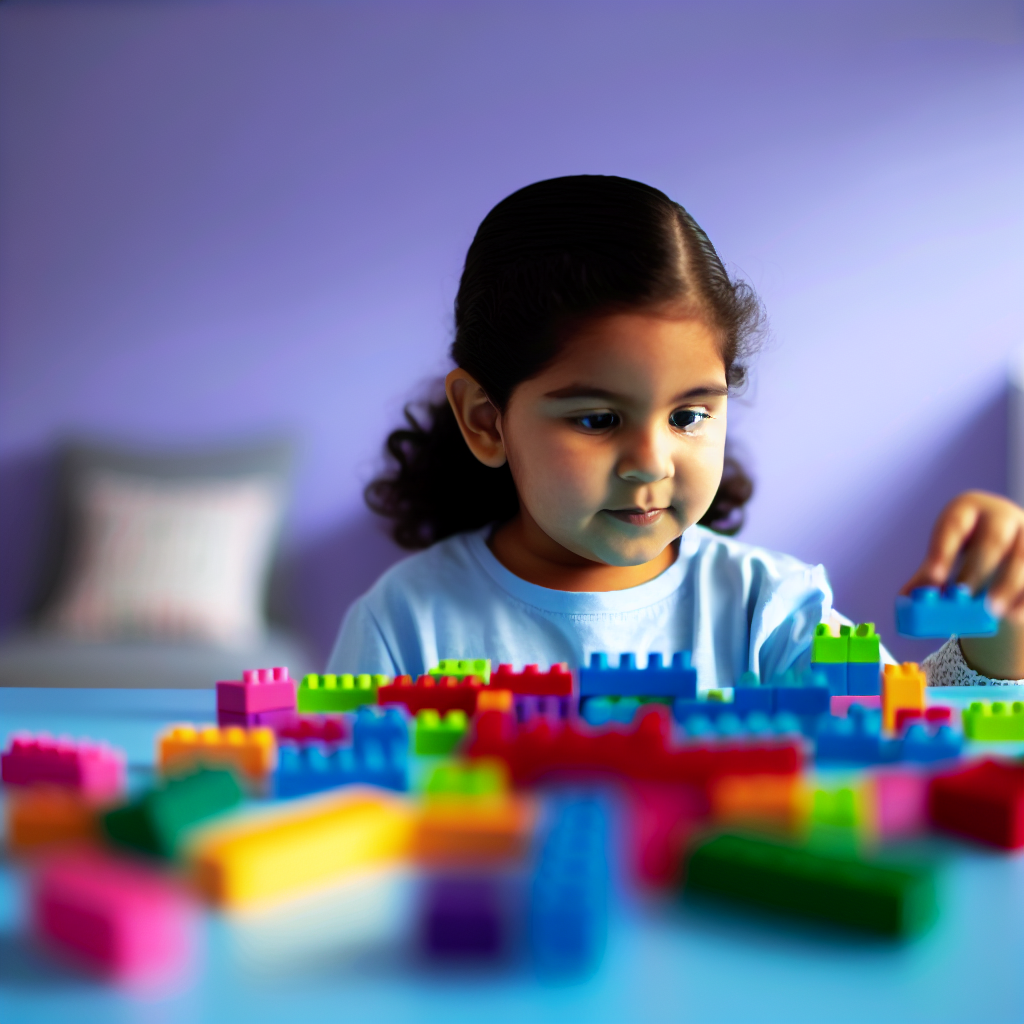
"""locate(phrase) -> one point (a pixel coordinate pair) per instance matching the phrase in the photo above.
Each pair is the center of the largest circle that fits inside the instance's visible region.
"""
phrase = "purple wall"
(219, 220)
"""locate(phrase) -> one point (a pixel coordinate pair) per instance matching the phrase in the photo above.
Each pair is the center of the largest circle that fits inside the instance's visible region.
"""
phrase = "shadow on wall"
(866, 587)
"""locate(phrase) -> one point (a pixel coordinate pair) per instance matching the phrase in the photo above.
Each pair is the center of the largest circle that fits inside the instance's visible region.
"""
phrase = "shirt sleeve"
(361, 646)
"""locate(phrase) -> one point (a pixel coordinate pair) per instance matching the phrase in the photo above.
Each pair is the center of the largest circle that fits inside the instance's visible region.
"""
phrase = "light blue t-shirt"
(734, 606)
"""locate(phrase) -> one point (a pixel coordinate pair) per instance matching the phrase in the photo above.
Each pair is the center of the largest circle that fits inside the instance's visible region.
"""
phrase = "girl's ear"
(478, 418)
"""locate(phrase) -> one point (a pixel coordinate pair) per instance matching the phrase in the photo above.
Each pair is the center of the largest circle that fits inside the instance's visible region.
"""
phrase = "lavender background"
(220, 220)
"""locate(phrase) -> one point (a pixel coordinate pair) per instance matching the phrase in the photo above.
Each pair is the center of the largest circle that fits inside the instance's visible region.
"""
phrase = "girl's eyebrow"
(590, 391)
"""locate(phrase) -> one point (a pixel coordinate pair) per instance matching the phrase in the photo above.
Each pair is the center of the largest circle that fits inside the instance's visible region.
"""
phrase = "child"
(573, 493)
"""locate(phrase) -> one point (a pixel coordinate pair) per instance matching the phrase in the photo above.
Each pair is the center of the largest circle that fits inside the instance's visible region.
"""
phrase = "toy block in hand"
(463, 668)
(626, 680)
(338, 693)
(531, 682)
(185, 748)
(94, 769)
(989, 721)
(259, 689)
(930, 612)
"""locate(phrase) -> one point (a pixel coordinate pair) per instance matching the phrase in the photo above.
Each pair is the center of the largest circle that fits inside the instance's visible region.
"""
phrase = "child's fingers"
(992, 541)
(955, 524)
(1007, 591)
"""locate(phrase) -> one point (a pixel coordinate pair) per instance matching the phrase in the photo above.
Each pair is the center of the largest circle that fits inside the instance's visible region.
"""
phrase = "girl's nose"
(645, 459)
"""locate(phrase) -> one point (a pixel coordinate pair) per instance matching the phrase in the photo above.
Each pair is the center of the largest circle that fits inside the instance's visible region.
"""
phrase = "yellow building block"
(40, 817)
(494, 700)
(474, 830)
(250, 752)
(902, 687)
(300, 847)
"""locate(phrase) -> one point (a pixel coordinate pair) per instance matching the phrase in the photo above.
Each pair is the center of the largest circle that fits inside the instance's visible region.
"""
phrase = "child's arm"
(984, 533)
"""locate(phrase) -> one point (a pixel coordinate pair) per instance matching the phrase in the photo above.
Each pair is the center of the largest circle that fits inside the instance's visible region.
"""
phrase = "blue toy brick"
(856, 739)
(753, 698)
(385, 726)
(604, 710)
(626, 680)
(802, 700)
(314, 767)
(921, 746)
(568, 911)
(836, 674)
(863, 678)
(929, 612)
(710, 718)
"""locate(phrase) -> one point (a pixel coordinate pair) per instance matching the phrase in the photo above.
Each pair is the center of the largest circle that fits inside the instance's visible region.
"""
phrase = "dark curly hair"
(547, 258)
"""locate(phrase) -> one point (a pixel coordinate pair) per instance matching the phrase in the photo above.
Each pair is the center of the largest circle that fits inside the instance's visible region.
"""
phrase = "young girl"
(573, 492)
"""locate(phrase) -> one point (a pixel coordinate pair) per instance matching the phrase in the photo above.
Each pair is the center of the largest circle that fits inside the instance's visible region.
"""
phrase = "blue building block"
(626, 680)
(929, 612)
(863, 678)
(856, 739)
(753, 698)
(809, 697)
(836, 675)
(728, 724)
(568, 909)
(604, 710)
(921, 746)
(314, 767)
(386, 726)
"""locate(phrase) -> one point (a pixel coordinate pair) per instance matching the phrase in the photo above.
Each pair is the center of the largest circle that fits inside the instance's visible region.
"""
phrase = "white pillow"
(169, 558)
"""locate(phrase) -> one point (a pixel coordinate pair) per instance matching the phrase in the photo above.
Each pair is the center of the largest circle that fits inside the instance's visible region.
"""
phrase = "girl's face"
(617, 447)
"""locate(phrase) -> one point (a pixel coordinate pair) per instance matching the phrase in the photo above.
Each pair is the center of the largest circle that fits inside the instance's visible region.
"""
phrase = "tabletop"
(345, 954)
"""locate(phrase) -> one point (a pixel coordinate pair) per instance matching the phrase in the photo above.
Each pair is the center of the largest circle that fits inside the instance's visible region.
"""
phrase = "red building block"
(308, 729)
(94, 769)
(259, 689)
(114, 916)
(440, 693)
(984, 801)
(531, 682)
(933, 717)
(662, 819)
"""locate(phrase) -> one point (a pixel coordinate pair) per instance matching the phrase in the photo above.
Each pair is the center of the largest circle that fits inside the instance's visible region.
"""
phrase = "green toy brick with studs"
(440, 735)
(988, 721)
(338, 692)
(463, 668)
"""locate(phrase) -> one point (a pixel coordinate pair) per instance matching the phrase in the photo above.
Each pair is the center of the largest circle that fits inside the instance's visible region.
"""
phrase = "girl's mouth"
(637, 516)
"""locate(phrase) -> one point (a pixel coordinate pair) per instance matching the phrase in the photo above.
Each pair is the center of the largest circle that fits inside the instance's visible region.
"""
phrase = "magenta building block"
(259, 689)
(120, 919)
(281, 718)
(840, 704)
(901, 798)
(93, 769)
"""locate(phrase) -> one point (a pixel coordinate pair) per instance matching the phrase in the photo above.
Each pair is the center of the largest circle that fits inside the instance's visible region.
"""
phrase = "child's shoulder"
(706, 545)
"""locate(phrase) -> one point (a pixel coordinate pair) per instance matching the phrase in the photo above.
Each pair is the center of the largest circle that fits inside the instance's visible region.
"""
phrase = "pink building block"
(259, 689)
(93, 769)
(900, 802)
(115, 916)
(840, 704)
(555, 682)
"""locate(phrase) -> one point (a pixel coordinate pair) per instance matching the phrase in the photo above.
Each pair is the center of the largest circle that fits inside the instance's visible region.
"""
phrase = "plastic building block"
(474, 830)
(983, 801)
(924, 746)
(662, 819)
(43, 816)
(706, 718)
(300, 847)
(835, 674)
(555, 682)
(823, 884)
(865, 645)
(464, 668)
(546, 707)
(114, 916)
(439, 693)
(568, 916)
(932, 717)
(626, 680)
(829, 648)
(855, 739)
(988, 722)
(754, 698)
(259, 689)
(437, 735)
(775, 802)
(602, 710)
(94, 769)
(898, 799)
(465, 917)
(468, 779)
(387, 727)
(314, 767)
(840, 705)
(493, 699)
(276, 720)
(184, 748)
(902, 687)
(338, 693)
(864, 678)
(319, 729)
(929, 612)
(156, 822)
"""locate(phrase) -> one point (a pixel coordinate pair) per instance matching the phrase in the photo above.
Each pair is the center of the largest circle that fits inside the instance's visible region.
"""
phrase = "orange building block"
(494, 700)
(250, 752)
(473, 830)
(773, 801)
(902, 687)
(40, 817)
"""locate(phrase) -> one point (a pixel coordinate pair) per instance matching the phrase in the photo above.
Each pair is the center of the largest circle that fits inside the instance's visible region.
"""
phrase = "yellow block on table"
(902, 687)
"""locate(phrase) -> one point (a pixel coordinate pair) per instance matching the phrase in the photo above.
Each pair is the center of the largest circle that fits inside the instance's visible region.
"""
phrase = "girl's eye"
(687, 419)
(598, 420)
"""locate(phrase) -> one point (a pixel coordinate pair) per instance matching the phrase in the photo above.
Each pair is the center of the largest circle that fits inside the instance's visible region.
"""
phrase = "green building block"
(475, 778)
(865, 644)
(437, 735)
(462, 667)
(156, 822)
(987, 721)
(338, 693)
(829, 649)
(827, 885)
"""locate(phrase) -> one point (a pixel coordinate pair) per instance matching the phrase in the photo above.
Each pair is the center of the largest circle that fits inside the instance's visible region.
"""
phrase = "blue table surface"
(343, 955)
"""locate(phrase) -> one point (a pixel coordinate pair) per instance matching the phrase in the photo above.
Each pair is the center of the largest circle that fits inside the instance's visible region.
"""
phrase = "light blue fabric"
(736, 607)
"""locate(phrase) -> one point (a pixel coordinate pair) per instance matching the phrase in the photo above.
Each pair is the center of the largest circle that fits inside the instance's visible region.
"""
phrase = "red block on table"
(531, 682)
(984, 801)
(115, 916)
(931, 716)
(259, 689)
(93, 769)
(442, 693)
(305, 729)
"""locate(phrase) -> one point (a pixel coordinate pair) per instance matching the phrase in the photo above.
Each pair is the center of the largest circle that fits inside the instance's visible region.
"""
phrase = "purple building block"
(464, 917)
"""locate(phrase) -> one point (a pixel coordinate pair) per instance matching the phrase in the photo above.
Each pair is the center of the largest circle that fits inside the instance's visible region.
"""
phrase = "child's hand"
(985, 533)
